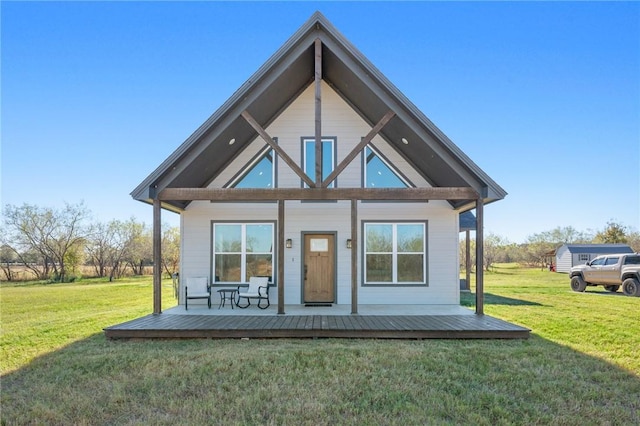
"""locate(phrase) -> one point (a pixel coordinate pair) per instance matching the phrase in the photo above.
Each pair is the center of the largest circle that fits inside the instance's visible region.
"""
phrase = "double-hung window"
(395, 253)
(328, 158)
(242, 250)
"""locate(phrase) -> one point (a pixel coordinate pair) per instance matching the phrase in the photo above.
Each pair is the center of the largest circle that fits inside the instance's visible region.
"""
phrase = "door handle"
(305, 272)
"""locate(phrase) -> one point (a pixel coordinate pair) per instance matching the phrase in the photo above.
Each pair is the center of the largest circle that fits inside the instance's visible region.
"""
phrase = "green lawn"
(581, 365)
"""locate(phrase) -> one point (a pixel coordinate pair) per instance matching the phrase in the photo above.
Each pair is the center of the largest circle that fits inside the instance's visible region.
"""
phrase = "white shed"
(569, 255)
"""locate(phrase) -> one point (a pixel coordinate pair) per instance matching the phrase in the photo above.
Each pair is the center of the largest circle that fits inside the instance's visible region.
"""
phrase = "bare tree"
(171, 250)
(141, 250)
(56, 234)
(493, 248)
(97, 248)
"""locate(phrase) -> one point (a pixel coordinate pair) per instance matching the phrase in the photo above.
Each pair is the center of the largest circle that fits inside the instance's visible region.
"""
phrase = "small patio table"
(227, 294)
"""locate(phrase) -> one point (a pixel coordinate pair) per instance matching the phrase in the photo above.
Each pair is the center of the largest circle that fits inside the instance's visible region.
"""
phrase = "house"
(319, 174)
(570, 255)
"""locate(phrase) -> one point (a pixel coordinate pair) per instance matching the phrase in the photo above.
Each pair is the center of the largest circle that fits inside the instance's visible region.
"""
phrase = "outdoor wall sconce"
(288, 243)
(349, 243)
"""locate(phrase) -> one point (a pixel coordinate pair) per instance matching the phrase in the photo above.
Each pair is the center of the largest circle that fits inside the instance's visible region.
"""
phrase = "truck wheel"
(578, 284)
(612, 288)
(631, 287)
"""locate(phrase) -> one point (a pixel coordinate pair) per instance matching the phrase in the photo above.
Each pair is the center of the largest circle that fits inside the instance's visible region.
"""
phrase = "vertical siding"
(563, 259)
(340, 121)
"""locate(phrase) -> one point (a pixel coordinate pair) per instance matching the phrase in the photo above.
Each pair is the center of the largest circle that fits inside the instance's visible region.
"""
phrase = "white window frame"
(394, 254)
(243, 250)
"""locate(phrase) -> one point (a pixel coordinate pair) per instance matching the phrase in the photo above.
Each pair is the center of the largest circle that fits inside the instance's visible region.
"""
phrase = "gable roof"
(272, 88)
(598, 248)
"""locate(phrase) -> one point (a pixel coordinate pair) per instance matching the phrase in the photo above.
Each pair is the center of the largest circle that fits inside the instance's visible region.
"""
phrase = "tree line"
(538, 249)
(53, 244)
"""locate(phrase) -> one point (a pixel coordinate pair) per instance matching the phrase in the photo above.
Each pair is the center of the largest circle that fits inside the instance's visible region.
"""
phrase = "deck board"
(306, 326)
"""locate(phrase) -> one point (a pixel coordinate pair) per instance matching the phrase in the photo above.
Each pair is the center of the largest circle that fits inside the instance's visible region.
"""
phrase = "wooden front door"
(319, 268)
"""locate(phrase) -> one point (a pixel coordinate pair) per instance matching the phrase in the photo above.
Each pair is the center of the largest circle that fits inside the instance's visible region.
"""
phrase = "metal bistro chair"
(258, 288)
(197, 288)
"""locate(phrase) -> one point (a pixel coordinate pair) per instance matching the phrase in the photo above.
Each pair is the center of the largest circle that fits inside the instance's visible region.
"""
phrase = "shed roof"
(272, 88)
(598, 248)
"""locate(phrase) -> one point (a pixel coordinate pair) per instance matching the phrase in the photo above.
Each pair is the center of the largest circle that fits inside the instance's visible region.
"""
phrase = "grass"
(581, 366)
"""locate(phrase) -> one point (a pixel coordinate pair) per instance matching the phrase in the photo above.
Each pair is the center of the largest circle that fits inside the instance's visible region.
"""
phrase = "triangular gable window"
(259, 173)
(379, 173)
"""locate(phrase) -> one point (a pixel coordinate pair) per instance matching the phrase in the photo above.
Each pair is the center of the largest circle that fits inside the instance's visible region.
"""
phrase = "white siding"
(564, 261)
(340, 121)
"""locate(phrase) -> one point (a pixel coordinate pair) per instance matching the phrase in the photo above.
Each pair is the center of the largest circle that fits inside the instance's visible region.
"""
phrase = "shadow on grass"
(469, 299)
(97, 381)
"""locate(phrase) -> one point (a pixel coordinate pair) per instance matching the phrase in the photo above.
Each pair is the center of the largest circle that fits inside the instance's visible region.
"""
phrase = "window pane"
(327, 159)
(410, 268)
(228, 238)
(259, 238)
(379, 268)
(378, 174)
(259, 265)
(410, 238)
(260, 175)
(227, 267)
(310, 159)
(379, 238)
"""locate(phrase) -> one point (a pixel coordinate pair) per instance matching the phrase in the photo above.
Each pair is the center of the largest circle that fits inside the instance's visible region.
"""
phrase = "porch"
(372, 321)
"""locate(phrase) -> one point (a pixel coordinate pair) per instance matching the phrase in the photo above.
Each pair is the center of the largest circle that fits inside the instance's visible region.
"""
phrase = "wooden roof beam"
(354, 153)
(318, 110)
(276, 194)
(283, 155)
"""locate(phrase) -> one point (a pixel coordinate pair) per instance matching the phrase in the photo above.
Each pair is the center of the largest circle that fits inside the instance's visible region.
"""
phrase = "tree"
(539, 247)
(141, 250)
(633, 239)
(7, 258)
(56, 235)
(494, 246)
(111, 244)
(613, 233)
(171, 250)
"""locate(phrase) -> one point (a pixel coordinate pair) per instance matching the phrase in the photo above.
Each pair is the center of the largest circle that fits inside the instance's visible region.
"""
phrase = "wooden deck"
(318, 326)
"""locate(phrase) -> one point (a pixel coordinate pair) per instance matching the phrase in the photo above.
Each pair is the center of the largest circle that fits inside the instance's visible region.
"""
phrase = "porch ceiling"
(279, 82)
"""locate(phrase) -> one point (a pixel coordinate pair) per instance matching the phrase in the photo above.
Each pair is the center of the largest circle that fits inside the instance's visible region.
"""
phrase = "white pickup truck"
(610, 271)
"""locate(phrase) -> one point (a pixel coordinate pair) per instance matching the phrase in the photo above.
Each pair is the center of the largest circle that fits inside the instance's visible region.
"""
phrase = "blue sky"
(545, 97)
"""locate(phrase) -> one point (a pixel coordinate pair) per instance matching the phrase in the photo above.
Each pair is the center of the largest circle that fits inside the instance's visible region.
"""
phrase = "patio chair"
(258, 288)
(197, 288)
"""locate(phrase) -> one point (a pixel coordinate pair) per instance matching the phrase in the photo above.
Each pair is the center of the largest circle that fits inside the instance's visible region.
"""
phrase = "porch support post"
(479, 256)
(281, 257)
(354, 256)
(467, 260)
(157, 257)
(318, 110)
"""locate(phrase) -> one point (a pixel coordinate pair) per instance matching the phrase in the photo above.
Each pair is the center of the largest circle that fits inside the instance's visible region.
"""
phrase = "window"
(632, 260)
(378, 172)
(583, 257)
(242, 250)
(259, 173)
(395, 253)
(612, 260)
(309, 158)
(598, 261)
